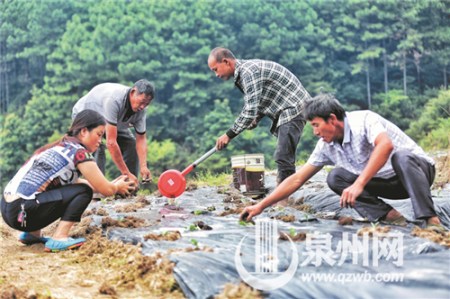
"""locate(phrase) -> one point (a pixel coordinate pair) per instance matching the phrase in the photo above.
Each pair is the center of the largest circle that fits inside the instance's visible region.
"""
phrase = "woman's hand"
(124, 185)
(132, 177)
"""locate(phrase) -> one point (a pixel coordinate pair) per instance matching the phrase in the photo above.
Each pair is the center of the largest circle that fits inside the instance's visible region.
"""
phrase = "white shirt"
(361, 128)
(48, 170)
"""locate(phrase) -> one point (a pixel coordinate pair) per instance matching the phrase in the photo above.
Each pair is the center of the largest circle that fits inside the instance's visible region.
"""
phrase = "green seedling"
(194, 242)
(244, 200)
(292, 232)
(278, 208)
(193, 227)
(245, 223)
(374, 224)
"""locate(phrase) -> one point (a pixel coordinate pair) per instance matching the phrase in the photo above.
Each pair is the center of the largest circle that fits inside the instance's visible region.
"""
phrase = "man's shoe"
(400, 221)
(58, 245)
(97, 196)
(438, 228)
(29, 239)
(394, 218)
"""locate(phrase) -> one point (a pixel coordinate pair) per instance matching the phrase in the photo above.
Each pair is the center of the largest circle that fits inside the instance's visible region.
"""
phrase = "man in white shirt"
(373, 158)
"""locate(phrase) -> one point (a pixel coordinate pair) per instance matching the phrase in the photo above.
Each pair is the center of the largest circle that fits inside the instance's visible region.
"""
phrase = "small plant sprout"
(292, 232)
(193, 227)
(244, 200)
(245, 223)
(279, 208)
(194, 242)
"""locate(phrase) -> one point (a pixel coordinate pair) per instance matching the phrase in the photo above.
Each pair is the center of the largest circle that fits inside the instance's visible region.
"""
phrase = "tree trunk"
(405, 91)
(4, 86)
(445, 77)
(3, 73)
(417, 57)
(369, 100)
(385, 68)
(419, 83)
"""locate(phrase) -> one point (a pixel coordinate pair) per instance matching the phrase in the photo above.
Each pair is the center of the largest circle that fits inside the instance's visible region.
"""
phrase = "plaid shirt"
(361, 128)
(269, 90)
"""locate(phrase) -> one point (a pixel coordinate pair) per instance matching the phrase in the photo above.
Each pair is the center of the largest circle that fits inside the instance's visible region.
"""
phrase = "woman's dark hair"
(322, 106)
(88, 119)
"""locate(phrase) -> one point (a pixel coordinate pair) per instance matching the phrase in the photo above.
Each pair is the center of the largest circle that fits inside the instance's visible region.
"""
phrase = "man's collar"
(347, 134)
(127, 98)
(237, 70)
(128, 111)
(346, 131)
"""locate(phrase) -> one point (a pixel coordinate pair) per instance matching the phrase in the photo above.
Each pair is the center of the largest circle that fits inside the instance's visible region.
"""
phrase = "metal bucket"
(248, 174)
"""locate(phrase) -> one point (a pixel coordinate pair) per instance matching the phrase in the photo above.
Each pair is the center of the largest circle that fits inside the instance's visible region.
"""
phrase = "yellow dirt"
(99, 269)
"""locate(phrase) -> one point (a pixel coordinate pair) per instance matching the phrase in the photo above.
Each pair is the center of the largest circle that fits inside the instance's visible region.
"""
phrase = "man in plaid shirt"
(269, 90)
(373, 158)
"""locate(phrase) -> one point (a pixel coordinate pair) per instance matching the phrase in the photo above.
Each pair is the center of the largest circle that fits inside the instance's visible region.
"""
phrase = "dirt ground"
(101, 268)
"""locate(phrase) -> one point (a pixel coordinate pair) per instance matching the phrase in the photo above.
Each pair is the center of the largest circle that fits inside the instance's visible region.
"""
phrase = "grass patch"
(207, 178)
(328, 168)
(300, 162)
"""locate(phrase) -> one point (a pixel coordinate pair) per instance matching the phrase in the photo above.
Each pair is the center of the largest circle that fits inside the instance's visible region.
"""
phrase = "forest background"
(389, 56)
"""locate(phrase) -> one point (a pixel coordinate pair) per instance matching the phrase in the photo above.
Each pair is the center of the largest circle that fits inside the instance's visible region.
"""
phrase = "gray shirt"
(112, 101)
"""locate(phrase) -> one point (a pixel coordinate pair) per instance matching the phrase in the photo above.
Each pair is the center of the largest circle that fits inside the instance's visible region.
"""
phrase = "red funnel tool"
(172, 183)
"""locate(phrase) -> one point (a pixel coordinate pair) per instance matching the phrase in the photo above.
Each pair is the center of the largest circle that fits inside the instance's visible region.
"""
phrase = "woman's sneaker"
(59, 245)
(29, 239)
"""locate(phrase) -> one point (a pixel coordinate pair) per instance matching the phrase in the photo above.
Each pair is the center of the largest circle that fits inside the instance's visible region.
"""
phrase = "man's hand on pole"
(222, 142)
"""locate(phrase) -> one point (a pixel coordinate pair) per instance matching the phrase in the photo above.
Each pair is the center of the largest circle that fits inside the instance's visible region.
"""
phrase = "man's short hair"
(323, 105)
(143, 86)
(220, 53)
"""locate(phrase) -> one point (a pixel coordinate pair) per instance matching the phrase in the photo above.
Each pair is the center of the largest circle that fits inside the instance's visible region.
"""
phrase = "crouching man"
(373, 158)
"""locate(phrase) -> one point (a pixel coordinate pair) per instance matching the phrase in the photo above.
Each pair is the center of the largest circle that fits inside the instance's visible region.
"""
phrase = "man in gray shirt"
(123, 107)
